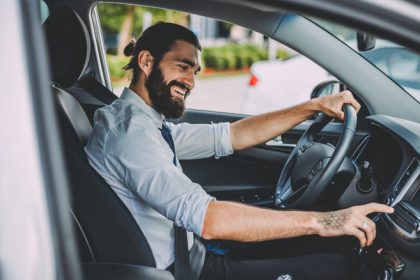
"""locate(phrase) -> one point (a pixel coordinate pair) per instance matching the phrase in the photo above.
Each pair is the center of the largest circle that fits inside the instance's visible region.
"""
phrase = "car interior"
(320, 164)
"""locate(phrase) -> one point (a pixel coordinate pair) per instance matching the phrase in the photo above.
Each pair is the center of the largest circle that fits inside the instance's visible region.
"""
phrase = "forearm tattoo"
(333, 220)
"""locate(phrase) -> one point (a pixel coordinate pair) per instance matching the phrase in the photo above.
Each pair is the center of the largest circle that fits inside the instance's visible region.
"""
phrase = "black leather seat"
(106, 230)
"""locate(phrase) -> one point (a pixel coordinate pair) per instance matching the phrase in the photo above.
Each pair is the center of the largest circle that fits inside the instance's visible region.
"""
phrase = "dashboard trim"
(407, 185)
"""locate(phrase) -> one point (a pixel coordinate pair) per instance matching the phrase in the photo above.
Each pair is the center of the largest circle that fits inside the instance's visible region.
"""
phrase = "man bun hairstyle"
(129, 49)
(158, 39)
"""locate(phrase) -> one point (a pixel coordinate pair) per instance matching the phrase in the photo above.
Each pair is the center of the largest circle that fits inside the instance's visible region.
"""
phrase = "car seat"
(111, 244)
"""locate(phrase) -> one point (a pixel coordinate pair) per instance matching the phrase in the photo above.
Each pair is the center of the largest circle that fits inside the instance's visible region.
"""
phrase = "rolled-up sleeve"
(151, 176)
(195, 141)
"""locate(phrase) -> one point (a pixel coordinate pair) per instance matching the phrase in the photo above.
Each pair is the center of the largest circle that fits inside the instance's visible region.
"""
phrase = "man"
(137, 152)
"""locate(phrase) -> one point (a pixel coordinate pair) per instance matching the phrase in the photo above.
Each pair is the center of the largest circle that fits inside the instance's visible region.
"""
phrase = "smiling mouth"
(181, 92)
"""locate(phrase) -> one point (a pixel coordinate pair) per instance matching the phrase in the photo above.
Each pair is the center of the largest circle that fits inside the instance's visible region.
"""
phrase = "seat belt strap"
(95, 88)
(182, 270)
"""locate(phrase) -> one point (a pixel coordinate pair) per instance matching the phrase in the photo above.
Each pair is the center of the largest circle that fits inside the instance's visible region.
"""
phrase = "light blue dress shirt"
(127, 149)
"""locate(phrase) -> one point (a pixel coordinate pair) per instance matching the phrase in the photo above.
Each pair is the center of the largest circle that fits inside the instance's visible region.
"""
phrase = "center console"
(399, 231)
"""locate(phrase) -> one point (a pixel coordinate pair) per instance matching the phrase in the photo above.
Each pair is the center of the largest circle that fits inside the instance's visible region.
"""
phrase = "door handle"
(278, 142)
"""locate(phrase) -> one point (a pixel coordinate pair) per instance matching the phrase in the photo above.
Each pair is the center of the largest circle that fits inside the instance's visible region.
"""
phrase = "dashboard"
(389, 167)
(388, 162)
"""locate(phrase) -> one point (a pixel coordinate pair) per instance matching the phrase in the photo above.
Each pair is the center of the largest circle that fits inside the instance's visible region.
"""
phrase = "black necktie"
(166, 134)
(182, 264)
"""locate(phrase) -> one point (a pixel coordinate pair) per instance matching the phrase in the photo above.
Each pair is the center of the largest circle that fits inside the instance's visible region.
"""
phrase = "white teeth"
(180, 91)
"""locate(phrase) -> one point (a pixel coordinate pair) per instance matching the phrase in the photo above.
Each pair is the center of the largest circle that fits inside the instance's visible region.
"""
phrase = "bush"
(282, 54)
(233, 56)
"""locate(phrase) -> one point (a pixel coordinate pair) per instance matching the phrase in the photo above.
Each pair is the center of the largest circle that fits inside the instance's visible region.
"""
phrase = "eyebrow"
(190, 63)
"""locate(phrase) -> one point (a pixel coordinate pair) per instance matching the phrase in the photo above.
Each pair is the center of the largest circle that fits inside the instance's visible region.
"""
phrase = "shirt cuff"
(222, 140)
(198, 219)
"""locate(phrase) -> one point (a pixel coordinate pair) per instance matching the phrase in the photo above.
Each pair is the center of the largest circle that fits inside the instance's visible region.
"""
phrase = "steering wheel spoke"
(288, 194)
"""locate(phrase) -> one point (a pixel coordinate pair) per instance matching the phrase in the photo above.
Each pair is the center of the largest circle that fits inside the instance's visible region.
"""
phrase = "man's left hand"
(332, 104)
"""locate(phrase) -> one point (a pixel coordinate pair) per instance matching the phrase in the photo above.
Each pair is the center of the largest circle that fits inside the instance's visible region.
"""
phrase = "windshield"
(397, 62)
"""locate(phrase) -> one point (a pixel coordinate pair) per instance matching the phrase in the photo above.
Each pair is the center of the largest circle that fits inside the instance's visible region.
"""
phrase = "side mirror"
(327, 88)
(365, 41)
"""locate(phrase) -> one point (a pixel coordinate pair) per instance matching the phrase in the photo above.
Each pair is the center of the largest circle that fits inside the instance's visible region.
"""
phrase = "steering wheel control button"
(310, 176)
(303, 149)
(299, 153)
(318, 167)
(307, 146)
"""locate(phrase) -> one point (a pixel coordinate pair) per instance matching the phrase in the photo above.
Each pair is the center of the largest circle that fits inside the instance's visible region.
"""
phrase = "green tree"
(111, 16)
(117, 18)
(127, 20)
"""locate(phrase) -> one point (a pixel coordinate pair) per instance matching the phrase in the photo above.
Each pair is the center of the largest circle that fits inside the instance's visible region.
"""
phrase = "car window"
(237, 63)
(397, 62)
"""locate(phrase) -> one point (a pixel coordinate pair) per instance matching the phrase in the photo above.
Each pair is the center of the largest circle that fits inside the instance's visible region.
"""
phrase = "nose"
(189, 81)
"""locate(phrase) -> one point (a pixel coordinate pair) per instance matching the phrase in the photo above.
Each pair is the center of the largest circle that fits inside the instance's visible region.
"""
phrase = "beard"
(160, 94)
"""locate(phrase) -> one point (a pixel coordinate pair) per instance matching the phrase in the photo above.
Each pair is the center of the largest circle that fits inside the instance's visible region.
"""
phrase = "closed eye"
(183, 67)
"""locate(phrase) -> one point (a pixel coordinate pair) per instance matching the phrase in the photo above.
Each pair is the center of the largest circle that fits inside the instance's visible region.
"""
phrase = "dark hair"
(158, 39)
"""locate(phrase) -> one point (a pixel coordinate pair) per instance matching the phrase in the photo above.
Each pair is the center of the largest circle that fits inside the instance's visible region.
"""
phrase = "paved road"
(224, 94)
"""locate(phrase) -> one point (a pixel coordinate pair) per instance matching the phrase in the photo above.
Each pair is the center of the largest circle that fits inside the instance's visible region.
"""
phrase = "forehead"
(183, 50)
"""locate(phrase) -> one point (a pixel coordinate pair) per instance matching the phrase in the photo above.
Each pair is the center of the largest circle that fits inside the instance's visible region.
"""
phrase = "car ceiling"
(394, 20)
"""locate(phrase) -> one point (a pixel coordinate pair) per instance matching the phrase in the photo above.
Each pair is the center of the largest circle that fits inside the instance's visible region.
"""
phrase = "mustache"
(181, 85)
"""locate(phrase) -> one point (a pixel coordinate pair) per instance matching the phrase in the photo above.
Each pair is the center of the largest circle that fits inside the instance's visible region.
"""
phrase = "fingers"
(362, 228)
(368, 228)
(365, 225)
(332, 105)
(349, 99)
(340, 115)
(359, 234)
(375, 207)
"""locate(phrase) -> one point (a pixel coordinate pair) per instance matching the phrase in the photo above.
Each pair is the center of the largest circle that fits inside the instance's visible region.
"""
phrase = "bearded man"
(137, 151)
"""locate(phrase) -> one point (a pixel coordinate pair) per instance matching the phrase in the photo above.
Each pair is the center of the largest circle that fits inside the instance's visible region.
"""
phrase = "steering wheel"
(312, 165)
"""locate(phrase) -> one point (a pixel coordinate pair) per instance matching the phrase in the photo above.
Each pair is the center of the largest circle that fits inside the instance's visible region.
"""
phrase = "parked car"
(59, 220)
(277, 84)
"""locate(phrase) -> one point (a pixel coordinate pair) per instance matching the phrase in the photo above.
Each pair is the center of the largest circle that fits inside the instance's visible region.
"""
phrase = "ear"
(145, 62)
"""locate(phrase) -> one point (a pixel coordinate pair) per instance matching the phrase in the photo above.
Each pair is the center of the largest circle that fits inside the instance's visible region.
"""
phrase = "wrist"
(314, 105)
(314, 226)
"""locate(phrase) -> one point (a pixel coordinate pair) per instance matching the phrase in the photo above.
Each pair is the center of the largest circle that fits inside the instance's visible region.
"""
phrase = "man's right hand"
(351, 221)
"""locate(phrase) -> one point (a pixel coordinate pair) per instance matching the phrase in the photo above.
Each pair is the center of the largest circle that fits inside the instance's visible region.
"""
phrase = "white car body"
(280, 84)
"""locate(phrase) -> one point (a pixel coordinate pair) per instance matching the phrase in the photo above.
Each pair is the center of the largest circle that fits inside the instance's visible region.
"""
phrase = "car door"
(36, 239)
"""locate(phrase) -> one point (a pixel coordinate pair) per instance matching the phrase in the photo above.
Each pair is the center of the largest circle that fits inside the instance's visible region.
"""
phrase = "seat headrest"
(68, 45)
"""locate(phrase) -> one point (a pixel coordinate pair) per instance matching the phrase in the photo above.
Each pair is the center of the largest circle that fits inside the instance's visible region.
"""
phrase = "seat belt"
(95, 88)
(182, 269)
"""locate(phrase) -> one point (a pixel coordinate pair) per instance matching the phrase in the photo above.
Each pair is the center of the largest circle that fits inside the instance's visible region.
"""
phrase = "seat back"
(106, 230)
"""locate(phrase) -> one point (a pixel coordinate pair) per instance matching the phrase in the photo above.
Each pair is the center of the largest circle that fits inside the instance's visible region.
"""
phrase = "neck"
(140, 89)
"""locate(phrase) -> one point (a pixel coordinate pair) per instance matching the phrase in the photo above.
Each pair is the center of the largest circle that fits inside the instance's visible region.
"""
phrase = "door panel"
(247, 176)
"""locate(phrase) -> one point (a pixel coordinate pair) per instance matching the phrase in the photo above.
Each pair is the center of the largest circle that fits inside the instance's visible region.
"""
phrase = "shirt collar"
(133, 98)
